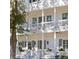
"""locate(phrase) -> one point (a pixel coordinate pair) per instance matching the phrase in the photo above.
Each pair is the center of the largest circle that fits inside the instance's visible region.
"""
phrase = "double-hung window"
(34, 20)
(65, 16)
(40, 19)
(60, 43)
(40, 44)
(33, 44)
(44, 44)
(22, 44)
(29, 45)
(65, 44)
(49, 18)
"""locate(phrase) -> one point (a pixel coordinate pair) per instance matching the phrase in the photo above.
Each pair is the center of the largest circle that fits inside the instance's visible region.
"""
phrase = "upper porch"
(33, 5)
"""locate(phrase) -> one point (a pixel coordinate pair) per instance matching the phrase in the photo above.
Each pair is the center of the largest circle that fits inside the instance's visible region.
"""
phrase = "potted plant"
(20, 48)
(49, 49)
(61, 49)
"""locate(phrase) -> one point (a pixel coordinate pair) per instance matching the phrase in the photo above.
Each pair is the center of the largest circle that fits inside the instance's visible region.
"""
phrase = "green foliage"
(49, 49)
(20, 29)
(17, 15)
(61, 49)
(64, 57)
(20, 49)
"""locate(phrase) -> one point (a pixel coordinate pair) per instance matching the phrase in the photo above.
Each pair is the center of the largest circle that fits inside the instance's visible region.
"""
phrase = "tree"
(17, 17)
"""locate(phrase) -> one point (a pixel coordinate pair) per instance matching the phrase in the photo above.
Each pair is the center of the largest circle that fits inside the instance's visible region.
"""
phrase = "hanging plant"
(61, 49)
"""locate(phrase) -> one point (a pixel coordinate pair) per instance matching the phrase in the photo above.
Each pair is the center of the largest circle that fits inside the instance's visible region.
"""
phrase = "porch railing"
(61, 25)
(46, 4)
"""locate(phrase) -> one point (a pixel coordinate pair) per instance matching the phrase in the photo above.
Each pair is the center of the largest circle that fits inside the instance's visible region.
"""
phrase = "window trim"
(65, 44)
(64, 16)
(48, 18)
(34, 20)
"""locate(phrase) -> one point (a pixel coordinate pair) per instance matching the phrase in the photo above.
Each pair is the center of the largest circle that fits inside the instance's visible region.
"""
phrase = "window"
(30, 1)
(34, 20)
(65, 44)
(49, 18)
(65, 16)
(34, 0)
(44, 44)
(60, 42)
(47, 42)
(40, 19)
(29, 45)
(40, 44)
(22, 44)
(33, 43)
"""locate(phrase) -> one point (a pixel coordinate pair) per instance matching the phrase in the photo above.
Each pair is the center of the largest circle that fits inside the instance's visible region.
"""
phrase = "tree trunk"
(13, 44)
(13, 39)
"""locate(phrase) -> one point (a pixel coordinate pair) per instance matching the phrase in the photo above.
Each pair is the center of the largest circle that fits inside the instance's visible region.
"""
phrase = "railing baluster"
(46, 3)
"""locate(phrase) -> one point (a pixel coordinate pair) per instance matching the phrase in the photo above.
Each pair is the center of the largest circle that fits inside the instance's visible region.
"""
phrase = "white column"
(37, 24)
(54, 29)
(26, 44)
(36, 46)
(42, 28)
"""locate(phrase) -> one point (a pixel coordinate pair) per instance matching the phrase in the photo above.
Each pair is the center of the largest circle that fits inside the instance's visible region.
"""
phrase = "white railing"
(38, 55)
(33, 28)
(48, 27)
(61, 25)
(46, 4)
(32, 55)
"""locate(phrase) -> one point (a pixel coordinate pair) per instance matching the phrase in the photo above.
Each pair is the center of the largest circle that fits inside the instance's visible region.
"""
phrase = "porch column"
(36, 46)
(26, 44)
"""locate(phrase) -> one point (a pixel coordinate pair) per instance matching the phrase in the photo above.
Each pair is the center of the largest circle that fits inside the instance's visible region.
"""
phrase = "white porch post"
(54, 29)
(36, 46)
(27, 44)
(42, 29)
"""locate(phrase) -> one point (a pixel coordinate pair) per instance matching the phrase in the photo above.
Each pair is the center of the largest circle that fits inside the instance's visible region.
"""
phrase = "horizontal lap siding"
(62, 35)
(47, 36)
(49, 11)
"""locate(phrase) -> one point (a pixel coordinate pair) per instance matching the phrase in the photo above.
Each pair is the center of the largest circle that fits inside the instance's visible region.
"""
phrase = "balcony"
(33, 28)
(57, 26)
(60, 25)
(63, 25)
(46, 4)
(47, 27)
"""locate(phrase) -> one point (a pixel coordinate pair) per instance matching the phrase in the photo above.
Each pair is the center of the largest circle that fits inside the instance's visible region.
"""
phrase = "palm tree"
(17, 17)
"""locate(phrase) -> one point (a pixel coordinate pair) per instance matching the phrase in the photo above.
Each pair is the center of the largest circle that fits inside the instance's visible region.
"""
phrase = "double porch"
(46, 46)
